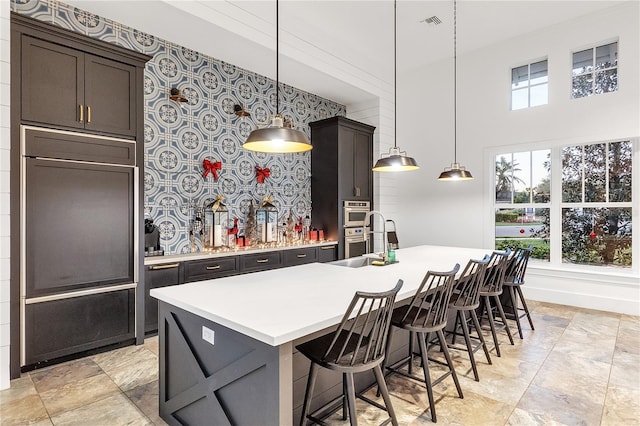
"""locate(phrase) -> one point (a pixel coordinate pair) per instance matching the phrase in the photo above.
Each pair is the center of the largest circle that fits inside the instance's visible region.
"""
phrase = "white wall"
(458, 213)
(4, 193)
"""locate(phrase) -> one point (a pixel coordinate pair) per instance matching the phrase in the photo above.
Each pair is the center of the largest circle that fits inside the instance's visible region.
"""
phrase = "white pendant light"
(276, 138)
(456, 171)
(395, 160)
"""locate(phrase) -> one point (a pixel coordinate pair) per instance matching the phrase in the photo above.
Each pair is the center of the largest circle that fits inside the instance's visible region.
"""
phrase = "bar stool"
(491, 290)
(466, 298)
(514, 278)
(426, 313)
(356, 346)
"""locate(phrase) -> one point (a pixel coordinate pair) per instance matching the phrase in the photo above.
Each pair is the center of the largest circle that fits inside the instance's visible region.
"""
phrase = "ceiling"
(352, 37)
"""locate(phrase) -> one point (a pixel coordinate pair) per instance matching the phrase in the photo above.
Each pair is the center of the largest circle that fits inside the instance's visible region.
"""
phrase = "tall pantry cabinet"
(76, 203)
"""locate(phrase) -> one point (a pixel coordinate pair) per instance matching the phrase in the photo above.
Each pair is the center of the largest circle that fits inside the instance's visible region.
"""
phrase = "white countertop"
(155, 260)
(281, 305)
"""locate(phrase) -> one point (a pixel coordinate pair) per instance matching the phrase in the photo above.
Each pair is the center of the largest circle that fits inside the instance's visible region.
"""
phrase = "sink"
(354, 262)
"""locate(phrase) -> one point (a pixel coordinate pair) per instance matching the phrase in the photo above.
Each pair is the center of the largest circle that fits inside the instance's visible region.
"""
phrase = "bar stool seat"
(425, 314)
(357, 345)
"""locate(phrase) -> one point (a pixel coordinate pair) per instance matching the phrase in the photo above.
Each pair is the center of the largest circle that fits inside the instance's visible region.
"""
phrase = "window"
(529, 85)
(595, 71)
(522, 197)
(596, 204)
(574, 201)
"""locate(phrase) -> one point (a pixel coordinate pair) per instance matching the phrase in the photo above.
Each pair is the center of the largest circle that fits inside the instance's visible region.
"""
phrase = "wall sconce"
(177, 96)
(240, 111)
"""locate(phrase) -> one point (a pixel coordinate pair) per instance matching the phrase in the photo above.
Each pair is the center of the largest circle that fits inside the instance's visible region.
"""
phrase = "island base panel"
(234, 381)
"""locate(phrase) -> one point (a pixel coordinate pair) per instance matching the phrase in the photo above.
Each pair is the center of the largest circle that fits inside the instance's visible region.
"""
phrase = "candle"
(217, 234)
(269, 232)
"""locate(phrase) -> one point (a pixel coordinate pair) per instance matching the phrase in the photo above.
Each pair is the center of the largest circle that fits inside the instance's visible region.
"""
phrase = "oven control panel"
(353, 232)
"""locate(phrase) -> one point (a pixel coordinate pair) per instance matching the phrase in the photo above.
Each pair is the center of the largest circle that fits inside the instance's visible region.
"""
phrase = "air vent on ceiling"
(434, 20)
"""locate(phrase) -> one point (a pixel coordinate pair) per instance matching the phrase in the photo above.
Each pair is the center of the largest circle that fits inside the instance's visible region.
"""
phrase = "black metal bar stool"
(466, 298)
(491, 290)
(426, 313)
(514, 278)
(357, 345)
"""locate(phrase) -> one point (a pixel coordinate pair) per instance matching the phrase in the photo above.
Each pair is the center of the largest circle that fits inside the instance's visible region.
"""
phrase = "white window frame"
(556, 205)
(529, 84)
(593, 72)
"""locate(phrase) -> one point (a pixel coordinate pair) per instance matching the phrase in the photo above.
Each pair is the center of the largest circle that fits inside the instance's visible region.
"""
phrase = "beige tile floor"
(579, 367)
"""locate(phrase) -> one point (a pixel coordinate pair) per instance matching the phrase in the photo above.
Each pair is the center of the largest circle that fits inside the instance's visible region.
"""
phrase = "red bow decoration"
(211, 167)
(262, 174)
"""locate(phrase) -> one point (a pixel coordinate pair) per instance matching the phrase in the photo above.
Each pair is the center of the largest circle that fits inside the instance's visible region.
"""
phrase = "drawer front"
(299, 256)
(198, 270)
(327, 253)
(156, 276)
(260, 261)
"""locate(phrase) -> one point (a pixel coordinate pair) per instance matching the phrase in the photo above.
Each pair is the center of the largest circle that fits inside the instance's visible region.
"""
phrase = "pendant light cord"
(455, 89)
(395, 79)
(277, 57)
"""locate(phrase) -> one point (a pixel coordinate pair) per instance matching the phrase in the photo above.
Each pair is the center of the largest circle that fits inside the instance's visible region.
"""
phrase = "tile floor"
(579, 367)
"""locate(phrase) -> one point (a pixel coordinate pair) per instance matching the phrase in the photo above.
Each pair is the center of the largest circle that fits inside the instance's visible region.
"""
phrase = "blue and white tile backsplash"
(178, 137)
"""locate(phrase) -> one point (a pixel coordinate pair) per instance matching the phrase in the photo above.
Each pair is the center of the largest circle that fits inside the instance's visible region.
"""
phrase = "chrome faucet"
(369, 231)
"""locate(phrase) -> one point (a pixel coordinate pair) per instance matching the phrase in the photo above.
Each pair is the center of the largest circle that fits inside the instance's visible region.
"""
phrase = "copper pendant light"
(395, 160)
(276, 138)
(456, 171)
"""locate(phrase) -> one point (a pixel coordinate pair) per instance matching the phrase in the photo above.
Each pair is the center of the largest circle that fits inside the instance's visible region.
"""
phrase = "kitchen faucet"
(369, 231)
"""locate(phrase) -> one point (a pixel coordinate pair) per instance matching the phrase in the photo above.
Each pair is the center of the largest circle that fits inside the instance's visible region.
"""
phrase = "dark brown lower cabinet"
(156, 276)
(67, 326)
(299, 256)
(328, 253)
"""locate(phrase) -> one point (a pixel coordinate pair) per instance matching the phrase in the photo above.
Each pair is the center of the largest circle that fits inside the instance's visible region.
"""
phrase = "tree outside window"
(595, 71)
(596, 204)
(522, 197)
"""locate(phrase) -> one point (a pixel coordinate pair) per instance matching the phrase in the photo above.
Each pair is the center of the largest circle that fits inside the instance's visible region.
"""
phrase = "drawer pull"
(213, 268)
(168, 266)
(262, 261)
(327, 248)
(300, 256)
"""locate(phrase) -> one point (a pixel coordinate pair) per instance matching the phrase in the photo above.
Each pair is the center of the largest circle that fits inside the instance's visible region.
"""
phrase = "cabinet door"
(299, 256)
(62, 327)
(207, 269)
(327, 253)
(79, 226)
(52, 85)
(362, 164)
(156, 276)
(347, 186)
(110, 96)
(260, 261)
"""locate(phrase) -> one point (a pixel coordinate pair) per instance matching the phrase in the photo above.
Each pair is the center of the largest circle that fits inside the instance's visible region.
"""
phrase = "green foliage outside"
(540, 246)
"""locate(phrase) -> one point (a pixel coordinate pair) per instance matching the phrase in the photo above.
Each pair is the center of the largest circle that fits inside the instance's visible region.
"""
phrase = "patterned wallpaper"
(178, 137)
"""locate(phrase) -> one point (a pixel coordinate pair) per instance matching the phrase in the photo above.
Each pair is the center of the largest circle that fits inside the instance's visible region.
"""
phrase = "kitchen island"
(227, 346)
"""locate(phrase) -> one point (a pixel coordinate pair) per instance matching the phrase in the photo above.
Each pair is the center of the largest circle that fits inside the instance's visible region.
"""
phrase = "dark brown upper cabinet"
(72, 89)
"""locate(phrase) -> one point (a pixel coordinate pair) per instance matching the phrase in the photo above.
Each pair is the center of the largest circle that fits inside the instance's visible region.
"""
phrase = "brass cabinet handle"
(81, 113)
(300, 256)
(262, 261)
(213, 268)
(88, 114)
(327, 248)
(167, 266)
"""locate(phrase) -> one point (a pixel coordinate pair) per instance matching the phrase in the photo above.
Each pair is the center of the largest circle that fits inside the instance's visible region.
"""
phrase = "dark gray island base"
(227, 346)
(234, 381)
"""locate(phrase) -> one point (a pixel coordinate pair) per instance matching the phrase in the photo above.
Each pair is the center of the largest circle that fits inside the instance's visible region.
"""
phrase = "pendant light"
(456, 171)
(395, 160)
(276, 137)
